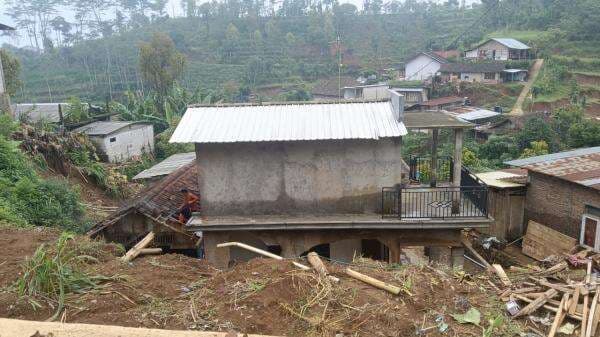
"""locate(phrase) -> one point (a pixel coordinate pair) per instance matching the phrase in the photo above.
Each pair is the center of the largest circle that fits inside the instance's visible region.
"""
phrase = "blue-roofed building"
(500, 49)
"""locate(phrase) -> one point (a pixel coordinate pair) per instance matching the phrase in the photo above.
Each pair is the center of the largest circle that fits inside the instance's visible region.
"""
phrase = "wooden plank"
(20, 328)
(541, 241)
(584, 315)
(590, 320)
(470, 248)
(151, 251)
(135, 251)
(596, 315)
(537, 303)
(575, 316)
(574, 300)
(560, 316)
(502, 275)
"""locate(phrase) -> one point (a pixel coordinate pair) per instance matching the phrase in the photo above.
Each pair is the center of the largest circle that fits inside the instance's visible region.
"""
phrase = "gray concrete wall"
(128, 142)
(297, 177)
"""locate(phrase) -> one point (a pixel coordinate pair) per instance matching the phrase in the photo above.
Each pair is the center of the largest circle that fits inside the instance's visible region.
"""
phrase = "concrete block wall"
(297, 177)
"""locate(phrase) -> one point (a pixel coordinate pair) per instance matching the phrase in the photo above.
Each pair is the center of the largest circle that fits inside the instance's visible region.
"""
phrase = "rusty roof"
(159, 200)
(581, 166)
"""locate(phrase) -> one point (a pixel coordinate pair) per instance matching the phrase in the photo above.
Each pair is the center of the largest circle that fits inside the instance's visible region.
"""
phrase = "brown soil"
(587, 79)
(262, 296)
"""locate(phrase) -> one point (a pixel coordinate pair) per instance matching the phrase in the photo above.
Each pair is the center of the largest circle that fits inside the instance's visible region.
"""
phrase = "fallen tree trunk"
(19, 328)
(135, 251)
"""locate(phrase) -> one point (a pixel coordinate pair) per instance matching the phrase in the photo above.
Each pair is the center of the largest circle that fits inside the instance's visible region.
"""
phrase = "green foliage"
(54, 272)
(160, 63)
(11, 67)
(584, 134)
(7, 126)
(537, 148)
(536, 129)
(77, 111)
(499, 149)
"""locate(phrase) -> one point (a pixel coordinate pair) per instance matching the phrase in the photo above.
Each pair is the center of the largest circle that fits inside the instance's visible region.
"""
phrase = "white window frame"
(582, 231)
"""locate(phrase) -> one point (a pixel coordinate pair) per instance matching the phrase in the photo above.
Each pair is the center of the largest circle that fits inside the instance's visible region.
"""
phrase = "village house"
(423, 66)
(329, 177)
(489, 73)
(413, 95)
(367, 92)
(563, 193)
(120, 141)
(154, 209)
(500, 49)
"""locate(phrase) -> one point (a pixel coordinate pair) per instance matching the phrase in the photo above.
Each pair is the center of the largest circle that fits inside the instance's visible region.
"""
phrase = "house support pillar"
(450, 256)
(456, 173)
(219, 257)
(433, 163)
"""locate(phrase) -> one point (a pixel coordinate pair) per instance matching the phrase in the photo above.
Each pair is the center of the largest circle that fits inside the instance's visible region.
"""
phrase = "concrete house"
(290, 178)
(423, 66)
(367, 92)
(120, 141)
(413, 96)
(563, 193)
(500, 49)
(489, 73)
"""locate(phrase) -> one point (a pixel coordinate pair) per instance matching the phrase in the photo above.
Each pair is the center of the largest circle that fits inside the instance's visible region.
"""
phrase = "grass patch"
(522, 35)
(54, 272)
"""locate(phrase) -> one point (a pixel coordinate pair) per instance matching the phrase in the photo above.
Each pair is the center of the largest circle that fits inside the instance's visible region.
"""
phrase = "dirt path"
(533, 73)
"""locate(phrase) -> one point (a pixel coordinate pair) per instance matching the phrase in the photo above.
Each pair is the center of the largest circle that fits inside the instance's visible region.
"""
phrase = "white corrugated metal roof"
(477, 114)
(289, 122)
(38, 111)
(498, 179)
(103, 128)
(167, 166)
(511, 43)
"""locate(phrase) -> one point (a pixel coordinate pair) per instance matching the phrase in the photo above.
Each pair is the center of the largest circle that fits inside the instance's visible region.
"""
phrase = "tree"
(584, 134)
(537, 148)
(11, 68)
(536, 129)
(160, 63)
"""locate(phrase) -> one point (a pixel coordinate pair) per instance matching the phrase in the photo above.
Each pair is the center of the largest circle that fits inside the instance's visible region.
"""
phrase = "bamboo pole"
(317, 264)
(373, 281)
(135, 251)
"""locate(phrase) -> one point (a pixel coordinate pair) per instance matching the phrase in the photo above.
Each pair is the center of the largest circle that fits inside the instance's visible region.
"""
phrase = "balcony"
(419, 201)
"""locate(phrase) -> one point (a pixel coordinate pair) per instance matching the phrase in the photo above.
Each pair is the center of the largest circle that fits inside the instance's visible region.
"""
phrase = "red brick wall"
(557, 203)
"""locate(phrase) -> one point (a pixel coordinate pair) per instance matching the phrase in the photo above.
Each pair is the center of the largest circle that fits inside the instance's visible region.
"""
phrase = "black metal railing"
(420, 169)
(470, 200)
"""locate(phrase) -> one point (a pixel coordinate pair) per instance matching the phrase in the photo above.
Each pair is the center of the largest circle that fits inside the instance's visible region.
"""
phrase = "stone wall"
(297, 177)
(557, 203)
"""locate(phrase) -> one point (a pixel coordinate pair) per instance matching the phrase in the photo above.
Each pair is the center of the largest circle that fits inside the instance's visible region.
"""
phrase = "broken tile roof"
(581, 166)
(160, 200)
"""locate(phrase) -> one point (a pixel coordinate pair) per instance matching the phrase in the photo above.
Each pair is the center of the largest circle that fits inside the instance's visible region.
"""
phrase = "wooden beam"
(590, 321)
(135, 251)
(537, 303)
(470, 248)
(502, 275)
(575, 316)
(560, 316)
(151, 251)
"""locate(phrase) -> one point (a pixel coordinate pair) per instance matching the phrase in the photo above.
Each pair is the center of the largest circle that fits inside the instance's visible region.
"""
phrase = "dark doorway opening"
(322, 249)
(375, 250)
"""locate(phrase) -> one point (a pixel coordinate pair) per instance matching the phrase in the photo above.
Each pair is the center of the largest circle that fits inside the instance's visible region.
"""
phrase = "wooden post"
(560, 315)
(457, 170)
(433, 164)
(537, 303)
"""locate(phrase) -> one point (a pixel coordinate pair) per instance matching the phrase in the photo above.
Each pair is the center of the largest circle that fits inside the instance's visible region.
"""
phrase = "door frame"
(582, 231)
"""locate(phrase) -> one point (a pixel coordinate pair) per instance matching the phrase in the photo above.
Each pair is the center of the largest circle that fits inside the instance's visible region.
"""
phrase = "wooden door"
(589, 232)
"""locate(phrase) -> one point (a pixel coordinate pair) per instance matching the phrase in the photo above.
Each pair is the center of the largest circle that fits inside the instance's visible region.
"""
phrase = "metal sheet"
(103, 128)
(167, 166)
(289, 122)
(511, 43)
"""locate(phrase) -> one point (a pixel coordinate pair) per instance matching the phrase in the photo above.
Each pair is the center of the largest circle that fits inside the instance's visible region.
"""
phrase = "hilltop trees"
(160, 63)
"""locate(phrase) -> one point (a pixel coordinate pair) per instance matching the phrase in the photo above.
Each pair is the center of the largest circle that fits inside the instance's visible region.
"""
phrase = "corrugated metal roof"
(103, 128)
(407, 89)
(288, 122)
(515, 71)
(581, 166)
(477, 114)
(433, 119)
(167, 166)
(38, 111)
(511, 43)
(499, 179)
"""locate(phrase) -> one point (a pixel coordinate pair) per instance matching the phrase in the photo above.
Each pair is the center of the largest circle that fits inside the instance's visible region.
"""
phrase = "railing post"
(456, 178)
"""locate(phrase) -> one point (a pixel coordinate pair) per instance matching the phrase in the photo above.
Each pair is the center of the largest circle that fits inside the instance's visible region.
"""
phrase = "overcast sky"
(173, 8)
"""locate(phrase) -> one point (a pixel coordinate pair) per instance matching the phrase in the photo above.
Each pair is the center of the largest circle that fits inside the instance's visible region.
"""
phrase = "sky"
(173, 7)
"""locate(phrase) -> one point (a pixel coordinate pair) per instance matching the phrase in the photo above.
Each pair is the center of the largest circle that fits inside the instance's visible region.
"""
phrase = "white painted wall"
(129, 142)
(376, 92)
(421, 68)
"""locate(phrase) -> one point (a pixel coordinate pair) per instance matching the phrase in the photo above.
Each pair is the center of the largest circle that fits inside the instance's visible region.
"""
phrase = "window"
(112, 139)
(489, 76)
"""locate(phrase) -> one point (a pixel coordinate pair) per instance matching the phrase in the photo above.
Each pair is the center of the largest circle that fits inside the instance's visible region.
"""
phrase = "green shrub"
(7, 126)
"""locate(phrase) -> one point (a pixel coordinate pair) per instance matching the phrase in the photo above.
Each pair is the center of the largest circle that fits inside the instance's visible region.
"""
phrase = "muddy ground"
(262, 296)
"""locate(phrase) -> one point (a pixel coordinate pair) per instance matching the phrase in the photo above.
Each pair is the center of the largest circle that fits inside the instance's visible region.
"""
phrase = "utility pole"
(4, 98)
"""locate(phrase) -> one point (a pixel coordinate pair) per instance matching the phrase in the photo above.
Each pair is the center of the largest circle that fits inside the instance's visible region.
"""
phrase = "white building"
(413, 95)
(423, 66)
(120, 141)
(500, 49)
(367, 92)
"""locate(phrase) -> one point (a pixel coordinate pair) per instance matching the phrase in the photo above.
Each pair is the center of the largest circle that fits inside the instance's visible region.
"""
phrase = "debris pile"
(565, 287)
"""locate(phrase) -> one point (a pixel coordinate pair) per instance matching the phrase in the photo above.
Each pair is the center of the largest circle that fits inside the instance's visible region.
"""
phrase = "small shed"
(506, 202)
(413, 95)
(367, 92)
(500, 49)
(120, 141)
